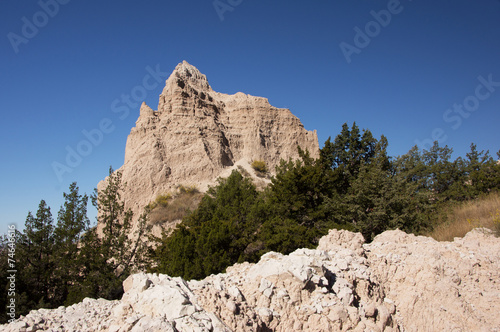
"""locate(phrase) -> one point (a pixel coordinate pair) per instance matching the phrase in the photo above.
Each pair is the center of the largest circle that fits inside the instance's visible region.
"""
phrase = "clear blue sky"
(63, 68)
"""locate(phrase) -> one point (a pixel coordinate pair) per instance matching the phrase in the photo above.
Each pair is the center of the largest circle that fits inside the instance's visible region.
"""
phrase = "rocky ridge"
(399, 282)
(197, 135)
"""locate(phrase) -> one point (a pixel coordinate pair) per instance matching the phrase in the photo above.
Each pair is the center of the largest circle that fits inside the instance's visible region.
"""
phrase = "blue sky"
(413, 71)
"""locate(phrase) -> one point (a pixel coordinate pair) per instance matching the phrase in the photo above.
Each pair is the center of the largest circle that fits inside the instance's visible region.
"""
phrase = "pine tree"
(347, 153)
(408, 199)
(36, 263)
(72, 223)
(109, 258)
(215, 235)
(364, 202)
(482, 172)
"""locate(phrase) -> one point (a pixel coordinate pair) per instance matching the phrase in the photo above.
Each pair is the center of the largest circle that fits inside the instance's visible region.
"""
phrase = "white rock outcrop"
(150, 303)
(399, 282)
(443, 286)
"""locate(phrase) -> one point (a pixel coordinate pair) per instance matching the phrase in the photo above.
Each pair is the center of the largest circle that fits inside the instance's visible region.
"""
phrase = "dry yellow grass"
(462, 218)
(167, 210)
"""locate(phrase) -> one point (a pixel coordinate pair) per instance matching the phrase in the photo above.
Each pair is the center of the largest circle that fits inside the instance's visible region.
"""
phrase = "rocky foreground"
(399, 282)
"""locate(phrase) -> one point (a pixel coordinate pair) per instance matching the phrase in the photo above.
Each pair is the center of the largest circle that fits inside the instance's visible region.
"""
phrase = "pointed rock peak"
(145, 109)
(185, 75)
(186, 69)
(146, 113)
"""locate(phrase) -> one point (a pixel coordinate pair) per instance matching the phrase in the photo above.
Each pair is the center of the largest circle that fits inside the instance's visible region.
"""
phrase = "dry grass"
(179, 205)
(462, 218)
(260, 168)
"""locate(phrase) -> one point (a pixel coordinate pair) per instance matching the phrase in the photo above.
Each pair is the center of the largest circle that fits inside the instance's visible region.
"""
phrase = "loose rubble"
(399, 282)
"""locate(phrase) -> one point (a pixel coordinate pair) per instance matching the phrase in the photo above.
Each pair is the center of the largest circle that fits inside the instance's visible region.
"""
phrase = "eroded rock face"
(197, 134)
(308, 290)
(442, 286)
(399, 282)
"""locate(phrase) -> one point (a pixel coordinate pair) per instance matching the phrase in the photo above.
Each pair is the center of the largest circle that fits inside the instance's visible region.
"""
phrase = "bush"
(260, 167)
(160, 201)
(187, 189)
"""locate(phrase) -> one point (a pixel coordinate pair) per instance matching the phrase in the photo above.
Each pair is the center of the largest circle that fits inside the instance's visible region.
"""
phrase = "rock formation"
(197, 134)
(399, 282)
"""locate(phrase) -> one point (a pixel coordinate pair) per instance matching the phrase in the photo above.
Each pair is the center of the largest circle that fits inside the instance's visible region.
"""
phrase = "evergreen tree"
(285, 235)
(216, 235)
(347, 153)
(34, 252)
(72, 223)
(441, 172)
(482, 172)
(109, 258)
(410, 203)
(298, 190)
(363, 205)
(176, 254)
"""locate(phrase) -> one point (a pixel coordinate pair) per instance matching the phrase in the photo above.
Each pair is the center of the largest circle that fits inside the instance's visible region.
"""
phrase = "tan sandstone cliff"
(197, 135)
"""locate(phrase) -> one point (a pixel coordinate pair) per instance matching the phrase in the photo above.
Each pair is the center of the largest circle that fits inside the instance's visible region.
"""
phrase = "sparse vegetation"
(190, 190)
(160, 201)
(457, 219)
(171, 207)
(260, 167)
(496, 221)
